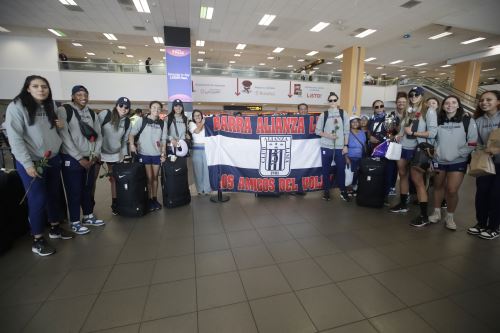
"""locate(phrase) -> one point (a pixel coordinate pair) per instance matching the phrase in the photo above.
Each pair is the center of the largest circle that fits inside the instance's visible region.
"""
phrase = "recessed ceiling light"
(129, 56)
(158, 40)
(206, 12)
(76, 44)
(329, 62)
(300, 60)
(404, 75)
(441, 35)
(423, 72)
(316, 68)
(146, 45)
(340, 56)
(201, 52)
(365, 33)
(109, 36)
(199, 59)
(289, 66)
(262, 64)
(402, 70)
(237, 55)
(421, 64)
(444, 66)
(472, 40)
(122, 47)
(270, 58)
(396, 62)
(241, 46)
(312, 53)
(141, 6)
(85, 57)
(278, 49)
(383, 74)
(491, 47)
(491, 78)
(58, 33)
(267, 19)
(380, 67)
(2, 29)
(90, 53)
(200, 43)
(488, 70)
(442, 73)
(164, 58)
(232, 61)
(339, 70)
(68, 2)
(320, 26)
(370, 59)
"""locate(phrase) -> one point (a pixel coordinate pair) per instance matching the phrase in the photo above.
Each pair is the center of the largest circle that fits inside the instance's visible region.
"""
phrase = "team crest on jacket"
(275, 155)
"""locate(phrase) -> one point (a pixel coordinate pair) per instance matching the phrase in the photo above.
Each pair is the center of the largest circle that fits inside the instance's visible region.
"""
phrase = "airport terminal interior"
(288, 263)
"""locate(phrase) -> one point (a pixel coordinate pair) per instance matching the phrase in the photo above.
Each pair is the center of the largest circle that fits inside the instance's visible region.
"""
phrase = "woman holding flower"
(32, 124)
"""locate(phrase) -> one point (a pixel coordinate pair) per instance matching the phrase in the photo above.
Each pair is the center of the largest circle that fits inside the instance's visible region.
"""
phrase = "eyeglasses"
(413, 94)
(379, 106)
(123, 106)
(332, 100)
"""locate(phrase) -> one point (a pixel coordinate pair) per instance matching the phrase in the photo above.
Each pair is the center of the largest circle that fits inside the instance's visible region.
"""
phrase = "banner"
(178, 60)
(263, 154)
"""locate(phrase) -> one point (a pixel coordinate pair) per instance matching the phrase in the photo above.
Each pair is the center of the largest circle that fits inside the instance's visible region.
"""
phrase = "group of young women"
(59, 151)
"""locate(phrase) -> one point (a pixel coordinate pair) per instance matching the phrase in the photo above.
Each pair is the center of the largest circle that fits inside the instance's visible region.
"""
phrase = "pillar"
(353, 67)
(467, 77)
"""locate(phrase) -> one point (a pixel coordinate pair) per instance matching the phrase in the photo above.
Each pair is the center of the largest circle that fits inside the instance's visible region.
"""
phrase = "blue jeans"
(44, 195)
(200, 166)
(327, 156)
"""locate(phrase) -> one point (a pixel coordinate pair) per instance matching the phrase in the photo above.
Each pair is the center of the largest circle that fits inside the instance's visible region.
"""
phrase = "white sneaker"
(450, 224)
(435, 217)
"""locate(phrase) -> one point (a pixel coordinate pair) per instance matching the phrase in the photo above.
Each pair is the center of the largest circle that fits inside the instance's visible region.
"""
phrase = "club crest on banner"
(275, 155)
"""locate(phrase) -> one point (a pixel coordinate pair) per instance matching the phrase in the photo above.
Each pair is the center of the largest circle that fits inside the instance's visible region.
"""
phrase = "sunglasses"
(123, 106)
(413, 94)
(332, 100)
(379, 106)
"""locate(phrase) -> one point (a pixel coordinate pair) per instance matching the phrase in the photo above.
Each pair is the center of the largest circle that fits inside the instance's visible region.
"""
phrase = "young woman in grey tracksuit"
(31, 124)
(487, 201)
(176, 126)
(453, 145)
(79, 156)
(148, 149)
(115, 129)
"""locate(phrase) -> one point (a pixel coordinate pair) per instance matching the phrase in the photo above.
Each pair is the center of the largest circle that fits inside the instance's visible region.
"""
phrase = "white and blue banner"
(263, 153)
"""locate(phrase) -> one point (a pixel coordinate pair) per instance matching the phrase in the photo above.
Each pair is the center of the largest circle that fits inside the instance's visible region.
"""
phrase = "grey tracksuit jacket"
(151, 137)
(334, 120)
(114, 140)
(428, 124)
(452, 144)
(485, 125)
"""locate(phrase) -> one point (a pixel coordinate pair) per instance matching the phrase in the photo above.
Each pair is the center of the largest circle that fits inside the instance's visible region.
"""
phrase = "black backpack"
(145, 122)
(325, 117)
(107, 119)
(87, 131)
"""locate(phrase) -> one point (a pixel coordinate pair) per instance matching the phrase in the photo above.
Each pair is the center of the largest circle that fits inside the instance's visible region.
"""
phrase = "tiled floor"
(268, 265)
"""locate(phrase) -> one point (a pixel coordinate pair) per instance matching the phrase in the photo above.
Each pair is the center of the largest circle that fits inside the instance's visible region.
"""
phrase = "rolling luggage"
(371, 183)
(131, 189)
(175, 186)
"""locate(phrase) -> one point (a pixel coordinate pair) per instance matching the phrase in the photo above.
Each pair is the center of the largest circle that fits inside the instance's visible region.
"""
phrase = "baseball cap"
(124, 101)
(417, 90)
(78, 88)
(177, 102)
(354, 118)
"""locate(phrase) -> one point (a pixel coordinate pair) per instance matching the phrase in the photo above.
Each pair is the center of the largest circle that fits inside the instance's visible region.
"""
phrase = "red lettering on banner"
(256, 184)
(287, 185)
(226, 182)
(280, 125)
(312, 183)
(312, 124)
(233, 124)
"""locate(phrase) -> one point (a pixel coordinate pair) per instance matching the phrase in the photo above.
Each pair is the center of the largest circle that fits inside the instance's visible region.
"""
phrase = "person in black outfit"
(148, 65)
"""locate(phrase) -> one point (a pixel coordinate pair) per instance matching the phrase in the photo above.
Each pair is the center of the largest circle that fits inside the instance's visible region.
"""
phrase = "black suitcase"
(175, 186)
(371, 183)
(131, 189)
(14, 221)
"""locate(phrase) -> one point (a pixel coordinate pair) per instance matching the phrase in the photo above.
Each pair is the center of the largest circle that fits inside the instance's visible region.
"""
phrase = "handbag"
(481, 164)
(394, 151)
(423, 156)
(381, 149)
(349, 175)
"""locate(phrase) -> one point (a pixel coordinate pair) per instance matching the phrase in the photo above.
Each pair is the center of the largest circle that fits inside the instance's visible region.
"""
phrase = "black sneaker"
(113, 210)
(326, 195)
(344, 196)
(444, 204)
(419, 221)
(489, 234)
(42, 248)
(475, 230)
(58, 232)
(399, 208)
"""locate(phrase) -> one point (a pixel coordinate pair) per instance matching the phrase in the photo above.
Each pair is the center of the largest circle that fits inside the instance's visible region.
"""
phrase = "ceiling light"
(76, 44)
(164, 58)
(472, 40)
(370, 59)
(444, 34)
(109, 36)
(122, 47)
(201, 52)
(57, 32)
(267, 19)
(162, 50)
(289, 66)
(90, 53)
(396, 62)
(2, 29)
(404, 75)
(329, 62)
(491, 78)
(270, 58)
(380, 67)
(488, 70)
(129, 56)
(206, 12)
(444, 66)
(383, 74)
(158, 40)
(316, 68)
(200, 43)
(232, 62)
(241, 46)
(320, 26)
(141, 6)
(68, 2)
(199, 59)
(491, 47)
(237, 55)
(300, 60)
(339, 70)
(262, 64)
(278, 49)
(421, 64)
(340, 56)
(442, 73)
(312, 53)
(423, 72)
(146, 45)
(402, 70)
(365, 33)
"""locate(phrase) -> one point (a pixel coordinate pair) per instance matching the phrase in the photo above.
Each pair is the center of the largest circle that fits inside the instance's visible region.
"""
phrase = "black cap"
(417, 90)
(177, 102)
(124, 101)
(78, 88)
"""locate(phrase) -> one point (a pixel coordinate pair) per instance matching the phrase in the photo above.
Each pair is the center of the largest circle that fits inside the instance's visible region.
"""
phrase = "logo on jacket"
(275, 155)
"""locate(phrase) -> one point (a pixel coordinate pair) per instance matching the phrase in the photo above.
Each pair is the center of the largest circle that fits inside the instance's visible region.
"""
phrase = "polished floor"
(268, 265)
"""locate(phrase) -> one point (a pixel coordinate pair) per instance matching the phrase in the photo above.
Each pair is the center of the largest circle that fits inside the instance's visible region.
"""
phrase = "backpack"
(87, 131)
(145, 122)
(325, 117)
(107, 119)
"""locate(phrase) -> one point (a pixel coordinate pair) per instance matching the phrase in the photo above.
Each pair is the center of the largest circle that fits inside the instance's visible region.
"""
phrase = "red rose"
(92, 138)
(47, 154)
(417, 115)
